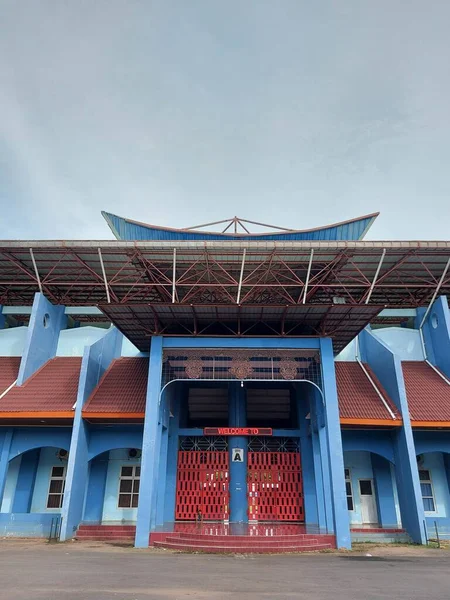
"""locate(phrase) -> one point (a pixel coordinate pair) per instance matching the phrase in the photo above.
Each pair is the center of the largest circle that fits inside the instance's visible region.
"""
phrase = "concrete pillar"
(237, 417)
(95, 494)
(446, 458)
(321, 463)
(5, 448)
(307, 458)
(334, 441)
(384, 491)
(151, 443)
(46, 322)
(388, 369)
(96, 359)
(172, 456)
(25, 481)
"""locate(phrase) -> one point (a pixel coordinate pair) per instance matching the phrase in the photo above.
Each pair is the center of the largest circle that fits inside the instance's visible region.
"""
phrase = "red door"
(274, 487)
(202, 484)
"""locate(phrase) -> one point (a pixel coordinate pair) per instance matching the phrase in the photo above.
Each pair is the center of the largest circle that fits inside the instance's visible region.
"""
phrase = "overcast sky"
(299, 113)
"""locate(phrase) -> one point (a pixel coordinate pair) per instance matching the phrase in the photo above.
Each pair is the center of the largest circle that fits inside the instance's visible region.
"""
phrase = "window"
(427, 490)
(129, 486)
(348, 487)
(56, 489)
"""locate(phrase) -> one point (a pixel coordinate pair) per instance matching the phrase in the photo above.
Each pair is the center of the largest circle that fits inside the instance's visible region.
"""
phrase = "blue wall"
(436, 331)
(95, 493)
(46, 322)
(10, 486)
(12, 341)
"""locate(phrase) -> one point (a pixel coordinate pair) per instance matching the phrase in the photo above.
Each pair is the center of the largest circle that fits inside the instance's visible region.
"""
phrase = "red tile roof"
(53, 388)
(356, 395)
(122, 389)
(9, 369)
(428, 394)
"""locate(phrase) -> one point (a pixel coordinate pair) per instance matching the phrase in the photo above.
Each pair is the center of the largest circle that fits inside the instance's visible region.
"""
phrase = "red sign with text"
(237, 431)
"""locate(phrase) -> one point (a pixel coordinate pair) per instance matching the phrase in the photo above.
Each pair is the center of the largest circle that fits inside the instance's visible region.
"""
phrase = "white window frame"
(131, 478)
(52, 478)
(433, 495)
(352, 496)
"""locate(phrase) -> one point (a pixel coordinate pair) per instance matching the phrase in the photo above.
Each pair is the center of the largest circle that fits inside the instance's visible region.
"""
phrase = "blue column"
(2, 318)
(95, 495)
(237, 417)
(307, 458)
(149, 446)
(335, 453)
(322, 463)
(46, 322)
(25, 481)
(388, 369)
(446, 458)
(162, 477)
(96, 359)
(384, 491)
(172, 457)
(5, 441)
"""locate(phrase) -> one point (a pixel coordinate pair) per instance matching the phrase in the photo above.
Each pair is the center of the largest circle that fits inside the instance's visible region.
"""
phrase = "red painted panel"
(275, 487)
(202, 484)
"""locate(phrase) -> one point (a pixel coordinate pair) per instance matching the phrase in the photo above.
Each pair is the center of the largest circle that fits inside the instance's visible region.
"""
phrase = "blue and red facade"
(94, 432)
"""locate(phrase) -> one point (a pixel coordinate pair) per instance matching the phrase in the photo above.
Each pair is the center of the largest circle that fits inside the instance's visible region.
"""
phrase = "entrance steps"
(243, 544)
(107, 533)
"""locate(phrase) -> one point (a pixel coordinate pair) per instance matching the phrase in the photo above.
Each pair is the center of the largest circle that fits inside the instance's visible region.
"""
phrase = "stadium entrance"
(274, 489)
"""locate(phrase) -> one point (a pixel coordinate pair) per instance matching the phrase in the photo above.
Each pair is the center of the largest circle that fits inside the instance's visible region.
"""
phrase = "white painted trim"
(7, 389)
(380, 395)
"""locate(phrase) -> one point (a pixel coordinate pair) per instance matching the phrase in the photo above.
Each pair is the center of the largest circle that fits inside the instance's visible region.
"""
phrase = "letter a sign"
(238, 455)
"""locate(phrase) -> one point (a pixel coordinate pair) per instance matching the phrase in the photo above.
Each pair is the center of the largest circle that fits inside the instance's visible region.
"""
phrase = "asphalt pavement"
(39, 571)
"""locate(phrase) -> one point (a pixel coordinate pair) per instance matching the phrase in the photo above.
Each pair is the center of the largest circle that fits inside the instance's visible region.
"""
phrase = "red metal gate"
(202, 484)
(274, 486)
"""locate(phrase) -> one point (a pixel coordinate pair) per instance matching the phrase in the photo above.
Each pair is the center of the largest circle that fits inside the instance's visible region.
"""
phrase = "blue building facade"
(95, 432)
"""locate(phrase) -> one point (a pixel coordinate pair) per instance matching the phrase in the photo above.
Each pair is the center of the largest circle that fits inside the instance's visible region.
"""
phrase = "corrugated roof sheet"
(127, 229)
(356, 395)
(53, 388)
(122, 389)
(428, 395)
(9, 369)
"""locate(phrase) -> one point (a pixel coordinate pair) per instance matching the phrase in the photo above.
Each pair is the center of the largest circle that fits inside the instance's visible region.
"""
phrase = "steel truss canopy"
(245, 288)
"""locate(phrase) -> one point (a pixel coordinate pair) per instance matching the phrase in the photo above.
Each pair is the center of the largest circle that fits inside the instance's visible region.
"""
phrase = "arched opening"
(371, 489)
(434, 477)
(34, 491)
(291, 410)
(112, 493)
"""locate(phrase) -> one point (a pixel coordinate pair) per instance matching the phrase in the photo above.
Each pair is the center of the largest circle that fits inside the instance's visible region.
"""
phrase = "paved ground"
(75, 571)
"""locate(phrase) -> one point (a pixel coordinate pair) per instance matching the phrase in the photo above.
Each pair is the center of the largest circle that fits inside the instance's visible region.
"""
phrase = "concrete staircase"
(107, 533)
(222, 544)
